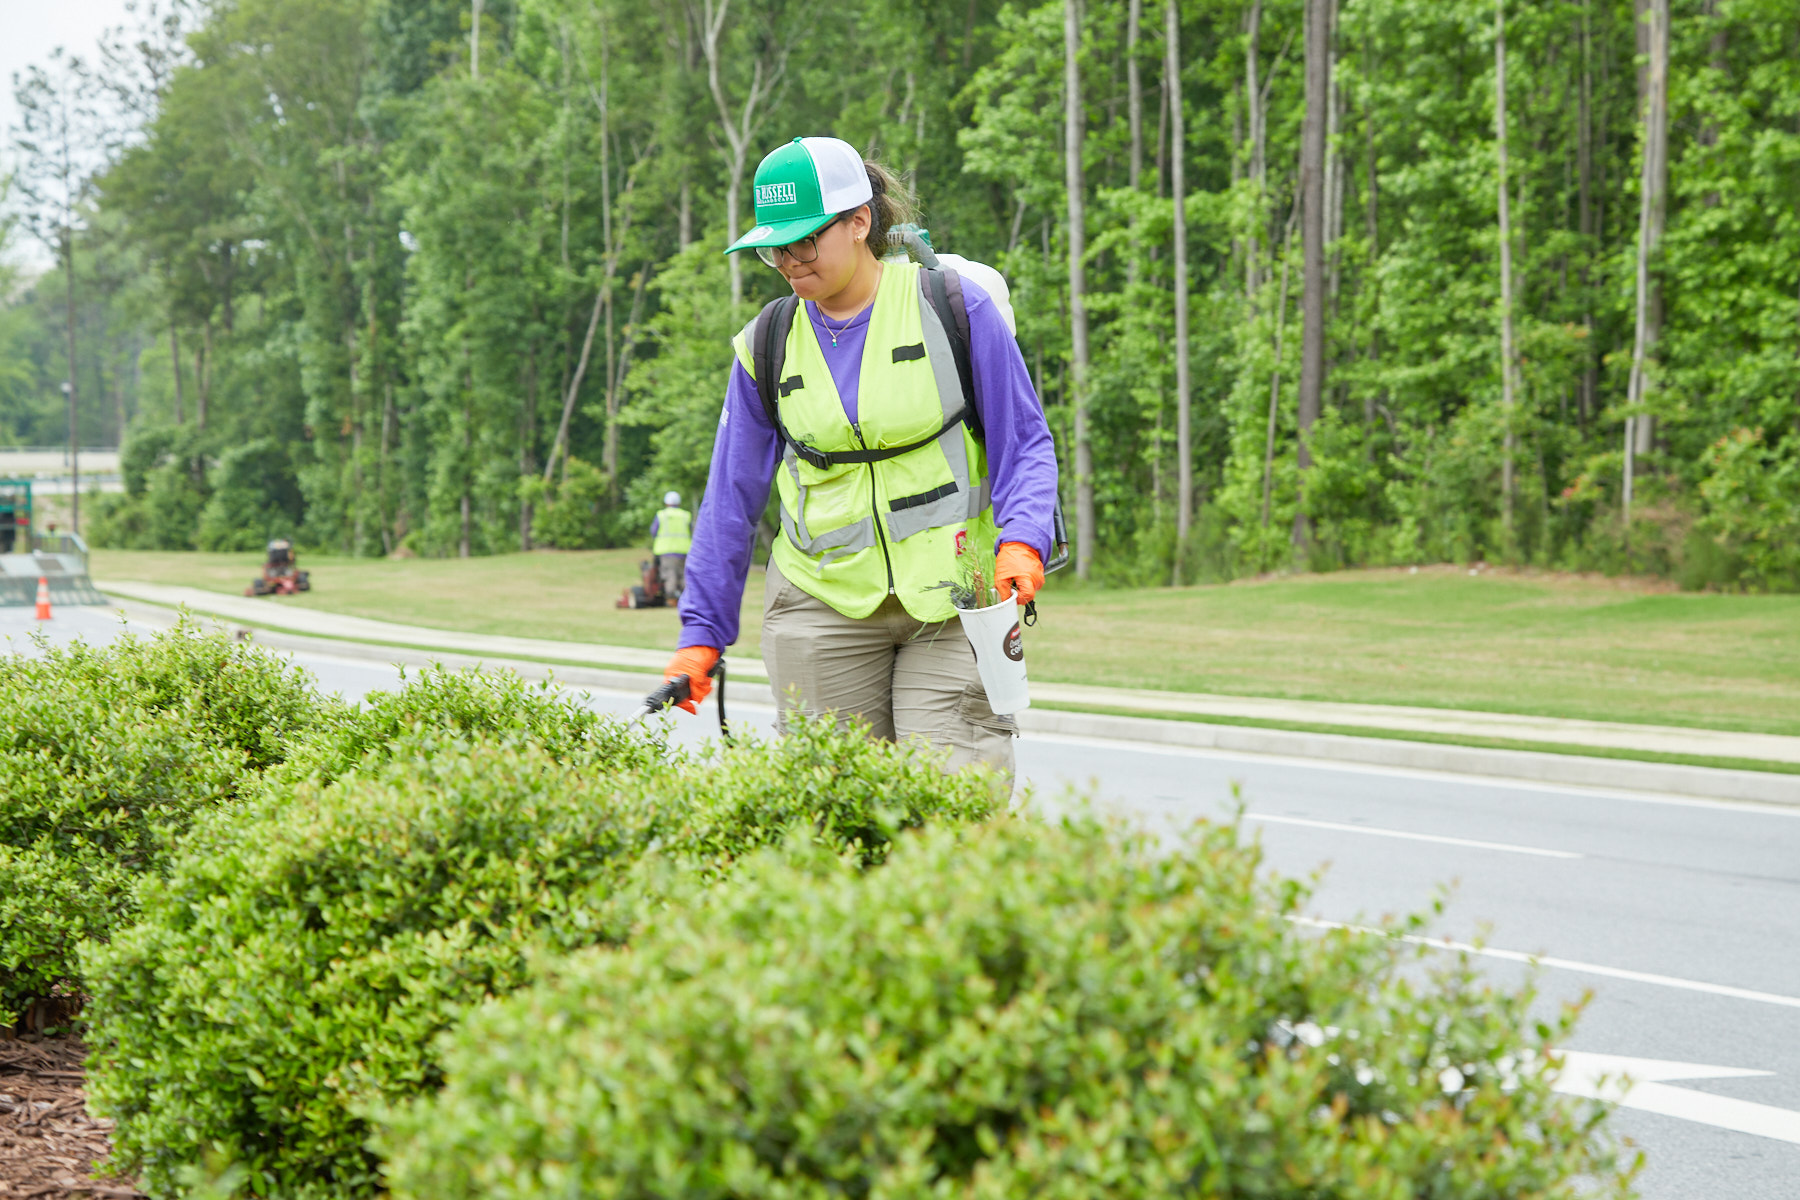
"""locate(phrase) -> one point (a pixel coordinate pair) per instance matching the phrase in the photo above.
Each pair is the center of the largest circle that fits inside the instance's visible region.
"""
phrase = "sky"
(29, 31)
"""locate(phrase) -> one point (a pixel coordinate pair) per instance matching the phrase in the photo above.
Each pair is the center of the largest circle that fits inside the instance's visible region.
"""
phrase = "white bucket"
(999, 654)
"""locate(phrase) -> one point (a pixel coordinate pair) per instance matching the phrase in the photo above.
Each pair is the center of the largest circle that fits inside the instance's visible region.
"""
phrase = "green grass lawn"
(1504, 642)
(562, 595)
(1538, 644)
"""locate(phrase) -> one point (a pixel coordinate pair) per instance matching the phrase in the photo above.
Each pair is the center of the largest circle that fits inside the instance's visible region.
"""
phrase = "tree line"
(1302, 282)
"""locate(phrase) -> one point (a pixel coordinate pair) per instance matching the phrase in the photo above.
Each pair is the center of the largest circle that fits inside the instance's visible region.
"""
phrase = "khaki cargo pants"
(672, 568)
(906, 678)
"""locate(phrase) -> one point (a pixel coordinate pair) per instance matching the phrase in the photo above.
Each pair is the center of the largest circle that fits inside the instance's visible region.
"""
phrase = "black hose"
(718, 673)
(1059, 539)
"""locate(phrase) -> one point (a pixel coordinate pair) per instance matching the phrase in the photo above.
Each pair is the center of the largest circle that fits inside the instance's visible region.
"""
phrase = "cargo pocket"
(981, 735)
(973, 708)
(779, 592)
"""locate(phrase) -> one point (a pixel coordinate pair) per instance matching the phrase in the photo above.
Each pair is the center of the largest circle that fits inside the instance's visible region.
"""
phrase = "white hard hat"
(672, 498)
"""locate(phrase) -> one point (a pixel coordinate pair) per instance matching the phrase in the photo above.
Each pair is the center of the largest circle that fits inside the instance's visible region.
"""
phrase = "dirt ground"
(48, 1143)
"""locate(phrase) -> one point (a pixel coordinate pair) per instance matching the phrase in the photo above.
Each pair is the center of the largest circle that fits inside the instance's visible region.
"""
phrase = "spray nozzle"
(917, 240)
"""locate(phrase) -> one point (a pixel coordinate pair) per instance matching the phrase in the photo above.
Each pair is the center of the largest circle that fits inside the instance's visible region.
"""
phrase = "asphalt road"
(1680, 917)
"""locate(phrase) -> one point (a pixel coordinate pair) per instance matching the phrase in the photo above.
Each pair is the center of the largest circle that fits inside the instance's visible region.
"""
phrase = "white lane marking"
(1350, 768)
(1641, 1083)
(1372, 831)
(1564, 964)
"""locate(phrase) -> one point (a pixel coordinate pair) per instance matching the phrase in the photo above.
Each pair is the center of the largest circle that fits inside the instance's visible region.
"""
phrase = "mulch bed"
(48, 1143)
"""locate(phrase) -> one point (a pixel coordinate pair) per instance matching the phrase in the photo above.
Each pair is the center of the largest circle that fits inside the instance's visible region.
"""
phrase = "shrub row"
(298, 965)
(467, 938)
(107, 755)
(499, 707)
(1006, 1012)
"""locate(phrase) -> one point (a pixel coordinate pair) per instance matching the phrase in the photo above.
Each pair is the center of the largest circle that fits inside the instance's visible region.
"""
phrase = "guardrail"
(63, 450)
(62, 543)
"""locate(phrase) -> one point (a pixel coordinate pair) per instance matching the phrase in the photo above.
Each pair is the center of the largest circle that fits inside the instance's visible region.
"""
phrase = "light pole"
(74, 464)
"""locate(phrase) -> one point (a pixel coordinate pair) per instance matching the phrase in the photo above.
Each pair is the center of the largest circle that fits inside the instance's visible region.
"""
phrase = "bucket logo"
(775, 193)
(1014, 645)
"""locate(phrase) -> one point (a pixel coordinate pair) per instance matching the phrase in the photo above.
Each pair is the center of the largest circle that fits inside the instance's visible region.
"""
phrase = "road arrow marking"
(1643, 1084)
(1640, 1083)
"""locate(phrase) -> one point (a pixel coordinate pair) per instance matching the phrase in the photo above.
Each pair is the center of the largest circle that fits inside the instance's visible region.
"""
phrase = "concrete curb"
(1703, 782)
(739, 691)
(1407, 722)
(1712, 783)
(752, 691)
(263, 616)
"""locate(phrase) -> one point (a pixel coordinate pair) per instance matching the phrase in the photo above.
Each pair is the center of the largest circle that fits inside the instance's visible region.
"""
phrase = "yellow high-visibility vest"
(674, 532)
(853, 533)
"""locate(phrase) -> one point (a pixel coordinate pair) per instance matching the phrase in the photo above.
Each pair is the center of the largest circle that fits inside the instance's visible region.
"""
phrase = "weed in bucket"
(973, 588)
(992, 625)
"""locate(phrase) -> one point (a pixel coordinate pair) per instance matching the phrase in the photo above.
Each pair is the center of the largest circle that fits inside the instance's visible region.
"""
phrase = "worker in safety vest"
(671, 536)
(885, 476)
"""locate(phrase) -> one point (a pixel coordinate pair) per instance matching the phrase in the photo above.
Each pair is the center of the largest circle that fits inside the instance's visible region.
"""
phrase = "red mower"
(279, 578)
(649, 593)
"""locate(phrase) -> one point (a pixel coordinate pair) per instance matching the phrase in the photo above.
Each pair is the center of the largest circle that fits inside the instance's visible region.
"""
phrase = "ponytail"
(891, 204)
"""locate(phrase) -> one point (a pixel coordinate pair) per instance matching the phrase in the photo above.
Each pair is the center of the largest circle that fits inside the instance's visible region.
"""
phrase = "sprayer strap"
(826, 459)
(944, 290)
(768, 353)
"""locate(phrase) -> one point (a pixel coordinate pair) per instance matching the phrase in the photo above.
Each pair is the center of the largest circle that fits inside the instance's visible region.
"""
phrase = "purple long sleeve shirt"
(746, 451)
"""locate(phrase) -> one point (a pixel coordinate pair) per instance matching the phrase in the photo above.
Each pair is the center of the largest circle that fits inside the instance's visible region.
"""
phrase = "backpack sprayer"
(915, 240)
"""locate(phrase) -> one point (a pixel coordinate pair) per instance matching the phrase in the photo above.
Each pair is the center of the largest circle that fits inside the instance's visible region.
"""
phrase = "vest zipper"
(875, 512)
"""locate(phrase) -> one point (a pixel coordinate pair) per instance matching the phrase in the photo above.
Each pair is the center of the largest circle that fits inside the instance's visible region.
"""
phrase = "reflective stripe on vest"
(674, 532)
(932, 503)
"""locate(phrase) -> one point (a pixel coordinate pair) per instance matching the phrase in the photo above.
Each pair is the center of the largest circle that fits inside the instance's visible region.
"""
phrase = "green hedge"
(297, 964)
(1014, 1011)
(498, 706)
(107, 755)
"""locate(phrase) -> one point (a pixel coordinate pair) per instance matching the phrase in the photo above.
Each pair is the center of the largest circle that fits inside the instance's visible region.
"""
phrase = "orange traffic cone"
(43, 603)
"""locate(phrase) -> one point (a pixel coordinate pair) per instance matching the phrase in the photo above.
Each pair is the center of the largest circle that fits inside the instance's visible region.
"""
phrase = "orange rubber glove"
(694, 662)
(1018, 567)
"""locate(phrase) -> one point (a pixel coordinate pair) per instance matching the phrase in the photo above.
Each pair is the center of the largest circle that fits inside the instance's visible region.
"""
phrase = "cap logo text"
(775, 193)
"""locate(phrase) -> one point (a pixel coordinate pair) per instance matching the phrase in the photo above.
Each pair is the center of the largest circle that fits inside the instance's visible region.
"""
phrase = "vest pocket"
(850, 526)
(936, 493)
(945, 505)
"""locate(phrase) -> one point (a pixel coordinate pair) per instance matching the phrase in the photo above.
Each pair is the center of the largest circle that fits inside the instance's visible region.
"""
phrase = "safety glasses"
(803, 251)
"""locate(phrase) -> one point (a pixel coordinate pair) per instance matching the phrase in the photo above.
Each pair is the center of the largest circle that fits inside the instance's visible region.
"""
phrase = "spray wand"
(674, 691)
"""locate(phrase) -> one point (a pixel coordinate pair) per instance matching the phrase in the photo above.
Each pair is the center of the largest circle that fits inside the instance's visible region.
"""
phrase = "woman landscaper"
(885, 476)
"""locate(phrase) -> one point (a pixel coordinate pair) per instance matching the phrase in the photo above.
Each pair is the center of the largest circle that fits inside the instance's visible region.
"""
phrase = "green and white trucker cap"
(800, 187)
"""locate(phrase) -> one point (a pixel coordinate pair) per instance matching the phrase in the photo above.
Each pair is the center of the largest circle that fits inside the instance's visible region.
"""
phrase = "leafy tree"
(430, 286)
